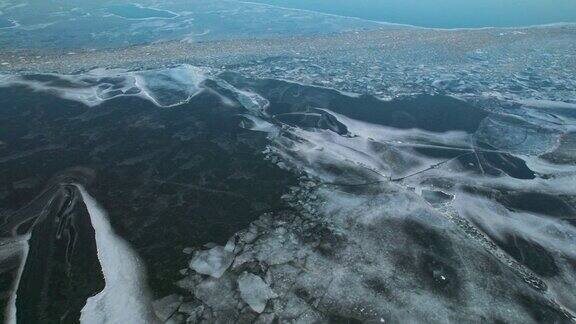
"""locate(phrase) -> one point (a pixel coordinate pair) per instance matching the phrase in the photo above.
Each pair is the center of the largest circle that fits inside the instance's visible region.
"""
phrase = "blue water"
(5, 23)
(445, 13)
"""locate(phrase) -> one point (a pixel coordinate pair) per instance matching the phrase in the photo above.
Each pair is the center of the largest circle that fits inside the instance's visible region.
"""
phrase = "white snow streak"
(24, 247)
(124, 298)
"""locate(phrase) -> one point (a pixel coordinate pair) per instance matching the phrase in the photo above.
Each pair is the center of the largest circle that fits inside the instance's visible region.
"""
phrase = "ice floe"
(254, 291)
(213, 262)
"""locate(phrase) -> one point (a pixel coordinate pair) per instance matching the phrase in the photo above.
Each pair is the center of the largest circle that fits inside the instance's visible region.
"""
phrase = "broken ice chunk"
(231, 244)
(436, 196)
(166, 307)
(213, 262)
(254, 291)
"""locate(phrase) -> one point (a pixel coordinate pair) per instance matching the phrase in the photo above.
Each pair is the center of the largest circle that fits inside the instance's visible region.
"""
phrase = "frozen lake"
(445, 13)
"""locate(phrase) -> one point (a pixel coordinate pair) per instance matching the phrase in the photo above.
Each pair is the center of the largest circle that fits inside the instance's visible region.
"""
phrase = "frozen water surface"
(349, 172)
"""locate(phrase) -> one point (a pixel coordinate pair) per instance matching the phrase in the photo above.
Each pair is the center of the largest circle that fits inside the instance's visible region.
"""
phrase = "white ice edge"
(11, 311)
(125, 298)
